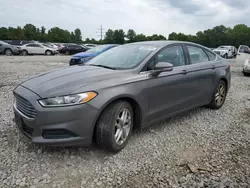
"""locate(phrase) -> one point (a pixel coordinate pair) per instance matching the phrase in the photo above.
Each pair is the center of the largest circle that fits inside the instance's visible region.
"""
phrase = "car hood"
(68, 80)
(83, 54)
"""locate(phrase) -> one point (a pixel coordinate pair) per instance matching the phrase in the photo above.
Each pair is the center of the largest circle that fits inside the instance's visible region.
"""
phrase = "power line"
(100, 31)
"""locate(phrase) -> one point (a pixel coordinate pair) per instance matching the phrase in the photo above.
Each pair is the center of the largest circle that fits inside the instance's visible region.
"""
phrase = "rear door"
(201, 75)
(243, 54)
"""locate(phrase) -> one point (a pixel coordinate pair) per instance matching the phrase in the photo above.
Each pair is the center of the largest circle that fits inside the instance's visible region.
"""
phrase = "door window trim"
(159, 51)
(189, 59)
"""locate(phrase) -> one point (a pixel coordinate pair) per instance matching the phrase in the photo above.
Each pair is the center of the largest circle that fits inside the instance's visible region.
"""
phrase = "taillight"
(229, 66)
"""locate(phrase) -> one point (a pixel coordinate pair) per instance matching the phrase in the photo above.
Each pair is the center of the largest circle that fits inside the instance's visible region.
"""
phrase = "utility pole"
(100, 32)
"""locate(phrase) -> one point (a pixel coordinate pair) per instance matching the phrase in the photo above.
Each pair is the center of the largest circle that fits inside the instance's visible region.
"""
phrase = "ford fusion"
(128, 87)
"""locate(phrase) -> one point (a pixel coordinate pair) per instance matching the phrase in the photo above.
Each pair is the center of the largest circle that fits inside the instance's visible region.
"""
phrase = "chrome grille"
(25, 107)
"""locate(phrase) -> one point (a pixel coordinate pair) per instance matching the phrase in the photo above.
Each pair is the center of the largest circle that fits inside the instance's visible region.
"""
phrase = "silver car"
(128, 87)
(36, 48)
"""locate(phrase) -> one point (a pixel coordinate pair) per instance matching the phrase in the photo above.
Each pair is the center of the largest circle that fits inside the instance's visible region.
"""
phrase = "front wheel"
(114, 127)
(25, 52)
(226, 56)
(246, 74)
(219, 95)
(67, 52)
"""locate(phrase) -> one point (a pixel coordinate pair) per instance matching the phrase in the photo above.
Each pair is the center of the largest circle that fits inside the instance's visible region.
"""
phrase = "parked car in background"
(90, 45)
(8, 49)
(72, 49)
(52, 45)
(59, 45)
(128, 87)
(36, 48)
(246, 67)
(83, 57)
(226, 51)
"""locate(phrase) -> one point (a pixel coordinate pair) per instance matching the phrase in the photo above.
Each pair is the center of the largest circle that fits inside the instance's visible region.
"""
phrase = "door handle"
(184, 72)
(213, 66)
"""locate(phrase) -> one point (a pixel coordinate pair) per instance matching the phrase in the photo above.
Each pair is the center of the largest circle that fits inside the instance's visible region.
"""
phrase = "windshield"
(97, 49)
(123, 57)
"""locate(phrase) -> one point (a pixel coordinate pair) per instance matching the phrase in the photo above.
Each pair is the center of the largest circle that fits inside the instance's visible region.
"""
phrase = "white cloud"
(144, 16)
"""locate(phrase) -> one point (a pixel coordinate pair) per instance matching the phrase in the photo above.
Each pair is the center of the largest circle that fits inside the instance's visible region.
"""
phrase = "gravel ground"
(200, 148)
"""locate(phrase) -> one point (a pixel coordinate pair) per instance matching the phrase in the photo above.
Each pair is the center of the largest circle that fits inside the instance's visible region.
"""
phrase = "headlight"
(68, 100)
(85, 59)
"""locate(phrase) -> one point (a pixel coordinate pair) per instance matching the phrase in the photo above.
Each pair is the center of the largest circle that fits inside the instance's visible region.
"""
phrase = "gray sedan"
(128, 87)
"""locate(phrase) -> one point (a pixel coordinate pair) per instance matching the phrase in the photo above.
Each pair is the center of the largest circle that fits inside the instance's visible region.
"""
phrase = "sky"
(144, 16)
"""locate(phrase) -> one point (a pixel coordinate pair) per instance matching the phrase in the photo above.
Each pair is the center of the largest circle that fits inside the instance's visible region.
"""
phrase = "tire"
(113, 134)
(25, 52)
(8, 52)
(246, 74)
(219, 95)
(226, 56)
(48, 52)
(67, 52)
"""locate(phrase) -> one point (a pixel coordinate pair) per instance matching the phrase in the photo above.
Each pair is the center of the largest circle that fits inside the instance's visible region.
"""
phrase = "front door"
(166, 93)
(242, 55)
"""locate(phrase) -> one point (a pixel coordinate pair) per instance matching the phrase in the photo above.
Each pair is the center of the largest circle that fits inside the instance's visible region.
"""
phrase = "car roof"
(162, 43)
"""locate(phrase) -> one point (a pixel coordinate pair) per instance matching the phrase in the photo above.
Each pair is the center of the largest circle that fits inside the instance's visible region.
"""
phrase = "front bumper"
(17, 51)
(76, 122)
(246, 68)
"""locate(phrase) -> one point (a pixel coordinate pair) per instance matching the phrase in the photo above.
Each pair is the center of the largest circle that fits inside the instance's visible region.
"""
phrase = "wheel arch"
(137, 110)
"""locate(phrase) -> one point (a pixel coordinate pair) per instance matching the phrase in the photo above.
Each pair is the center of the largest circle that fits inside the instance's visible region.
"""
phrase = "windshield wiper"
(103, 66)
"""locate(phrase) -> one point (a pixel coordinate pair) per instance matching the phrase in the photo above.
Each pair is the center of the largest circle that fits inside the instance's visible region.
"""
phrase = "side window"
(173, 55)
(37, 45)
(197, 55)
(211, 55)
(243, 48)
(31, 45)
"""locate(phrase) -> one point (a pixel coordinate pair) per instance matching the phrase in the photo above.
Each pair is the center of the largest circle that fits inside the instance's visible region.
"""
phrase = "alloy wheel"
(220, 94)
(122, 126)
(8, 52)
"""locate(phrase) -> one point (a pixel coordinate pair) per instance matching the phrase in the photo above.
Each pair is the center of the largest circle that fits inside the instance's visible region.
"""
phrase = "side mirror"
(162, 67)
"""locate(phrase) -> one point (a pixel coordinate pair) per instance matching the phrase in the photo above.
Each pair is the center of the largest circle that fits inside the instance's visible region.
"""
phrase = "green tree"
(131, 35)
(78, 36)
(4, 33)
(30, 32)
(119, 36)
(140, 38)
(109, 37)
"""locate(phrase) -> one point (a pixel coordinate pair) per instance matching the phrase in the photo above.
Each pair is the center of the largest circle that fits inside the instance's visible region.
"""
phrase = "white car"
(36, 48)
(226, 51)
(90, 45)
(246, 68)
(243, 59)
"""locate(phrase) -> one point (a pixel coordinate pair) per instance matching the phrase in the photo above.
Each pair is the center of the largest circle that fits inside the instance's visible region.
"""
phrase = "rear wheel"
(219, 95)
(48, 52)
(67, 52)
(114, 126)
(226, 56)
(8, 52)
